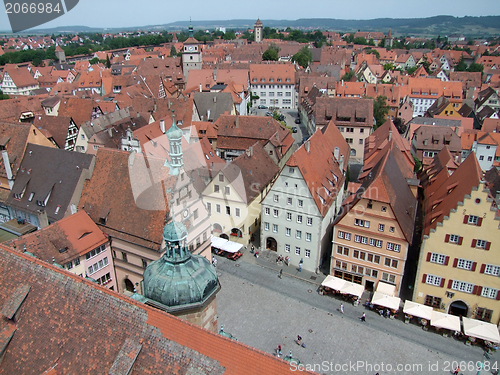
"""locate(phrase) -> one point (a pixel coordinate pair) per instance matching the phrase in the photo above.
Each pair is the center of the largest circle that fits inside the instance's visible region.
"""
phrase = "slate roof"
(77, 234)
(217, 103)
(125, 197)
(127, 335)
(49, 173)
(444, 193)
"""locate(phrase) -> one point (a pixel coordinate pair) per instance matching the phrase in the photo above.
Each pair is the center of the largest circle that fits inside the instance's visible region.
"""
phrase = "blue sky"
(127, 13)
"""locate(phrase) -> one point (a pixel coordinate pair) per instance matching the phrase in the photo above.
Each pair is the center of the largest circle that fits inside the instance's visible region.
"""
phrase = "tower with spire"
(191, 53)
(258, 31)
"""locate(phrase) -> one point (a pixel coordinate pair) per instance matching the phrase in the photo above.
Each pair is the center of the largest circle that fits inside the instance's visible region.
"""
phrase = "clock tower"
(191, 54)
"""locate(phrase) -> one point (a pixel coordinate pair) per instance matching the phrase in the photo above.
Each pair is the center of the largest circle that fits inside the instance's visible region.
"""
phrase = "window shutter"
(449, 283)
(442, 282)
(474, 290)
(498, 296)
(473, 244)
(447, 238)
(466, 219)
(479, 221)
(446, 260)
(487, 247)
(479, 290)
(474, 264)
(424, 278)
(429, 257)
(460, 240)
(455, 262)
(483, 267)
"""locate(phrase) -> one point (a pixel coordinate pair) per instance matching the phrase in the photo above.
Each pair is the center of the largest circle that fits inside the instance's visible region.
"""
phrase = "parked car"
(282, 117)
(294, 129)
(269, 113)
(262, 106)
(297, 121)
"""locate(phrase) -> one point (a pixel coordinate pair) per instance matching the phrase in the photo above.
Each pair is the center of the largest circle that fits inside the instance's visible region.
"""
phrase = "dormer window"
(271, 80)
(31, 196)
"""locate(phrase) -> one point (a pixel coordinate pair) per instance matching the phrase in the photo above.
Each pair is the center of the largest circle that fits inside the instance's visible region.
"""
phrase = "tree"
(95, 60)
(388, 66)
(303, 57)
(173, 51)
(229, 35)
(411, 70)
(380, 110)
(475, 67)
(3, 96)
(418, 165)
(461, 66)
(347, 76)
(271, 54)
(108, 62)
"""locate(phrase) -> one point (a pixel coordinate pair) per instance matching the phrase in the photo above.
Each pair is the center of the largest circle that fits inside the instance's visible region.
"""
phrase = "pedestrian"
(299, 340)
(363, 317)
(279, 350)
(281, 273)
(257, 254)
(300, 267)
(342, 308)
(214, 262)
(253, 249)
(456, 371)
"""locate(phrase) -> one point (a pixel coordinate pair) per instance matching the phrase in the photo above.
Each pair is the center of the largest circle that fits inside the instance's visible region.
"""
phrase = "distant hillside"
(431, 26)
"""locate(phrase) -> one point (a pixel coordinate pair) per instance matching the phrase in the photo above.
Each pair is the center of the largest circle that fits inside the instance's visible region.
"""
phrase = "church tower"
(258, 31)
(191, 54)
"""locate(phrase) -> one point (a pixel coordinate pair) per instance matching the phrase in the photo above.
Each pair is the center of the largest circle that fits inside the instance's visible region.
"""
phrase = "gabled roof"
(254, 168)
(20, 75)
(62, 241)
(138, 338)
(323, 173)
(48, 179)
(444, 193)
(15, 138)
(442, 160)
(125, 196)
(215, 103)
(80, 110)
(56, 126)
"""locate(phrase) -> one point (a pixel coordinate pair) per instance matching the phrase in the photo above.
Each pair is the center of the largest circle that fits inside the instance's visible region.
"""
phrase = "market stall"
(445, 321)
(332, 283)
(481, 330)
(385, 300)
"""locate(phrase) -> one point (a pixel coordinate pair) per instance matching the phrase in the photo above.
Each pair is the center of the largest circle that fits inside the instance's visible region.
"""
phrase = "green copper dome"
(174, 132)
(179, 278)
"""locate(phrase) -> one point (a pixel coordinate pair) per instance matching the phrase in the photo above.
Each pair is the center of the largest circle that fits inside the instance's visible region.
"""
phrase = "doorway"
(369, 285)
(129, 285)
(271, 244)
(458, 308)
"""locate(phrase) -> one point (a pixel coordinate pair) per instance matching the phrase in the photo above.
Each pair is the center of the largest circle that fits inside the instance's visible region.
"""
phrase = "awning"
(447, 321)
(353, 289)
(418, 310)
(385, 300)
(385, 288)
(225, 245)
(481, 330)
(333, 282)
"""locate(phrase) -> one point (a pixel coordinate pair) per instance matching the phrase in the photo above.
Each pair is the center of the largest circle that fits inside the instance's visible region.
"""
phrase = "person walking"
(300, 267)
(281, 273)
(342, 308)
(279, 353)
(214, 262)
(299, 340)
(363, 317)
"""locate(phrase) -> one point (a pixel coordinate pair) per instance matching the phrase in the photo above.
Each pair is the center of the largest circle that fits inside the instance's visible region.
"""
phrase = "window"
(309, 221)
(266, 226)
(438, 258)
(433, 280)
(209, 207)
(387, 262)
(362, 255)
(221, 177)
(267, 210)
(355, 254)
(77, 262)
(390, 246)
(376, 259)
(299, 219)
(341, 234)
(308, 253)
(379, 243)
(275, 213)
(308, 237)
(462, 286)
(287, 248)
(432, 301)
(481, 244)
(388, 277)
(348, 236)
(236, 212)
(290, 170)
(288, 216)
(144, 263)
(473, 220)
(297, 251)
(216, 188)
(275, 228)
(384, 208)
(300, 203)
(464, 264)
(357, 238)
(195, 214)
(364, 240)
(275, 198)
(289, 201)
(484, 314)
(362, 223)
(228, 210)
(227, 190)
(298, 234)
(69, 265)
(481, 157)
(372, 241)
(489, 292)
(391, 229)
(381, 227)
(454, 238)
(288, 232)
(217, 208)
(394, 263)
(397, 248)
(97, 266)
(490, 269)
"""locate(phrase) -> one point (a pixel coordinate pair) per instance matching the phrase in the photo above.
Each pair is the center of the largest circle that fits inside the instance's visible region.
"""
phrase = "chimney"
(307, 145)
(155, 107)
(169, 104)
(208, 114)
(110, 132)
(162, 125)
(237, 121)
(249, 151)
(215, 99)
(138, 115)
(390, 135)
(336, 153)
(200, 88)
(456, 130)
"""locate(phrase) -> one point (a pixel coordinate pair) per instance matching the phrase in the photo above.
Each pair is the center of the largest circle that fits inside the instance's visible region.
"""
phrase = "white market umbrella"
(384, 300)
(333, 282)
(353, 289)
(385, 288)
(446, 321)
(418, 310)
(481, 330)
